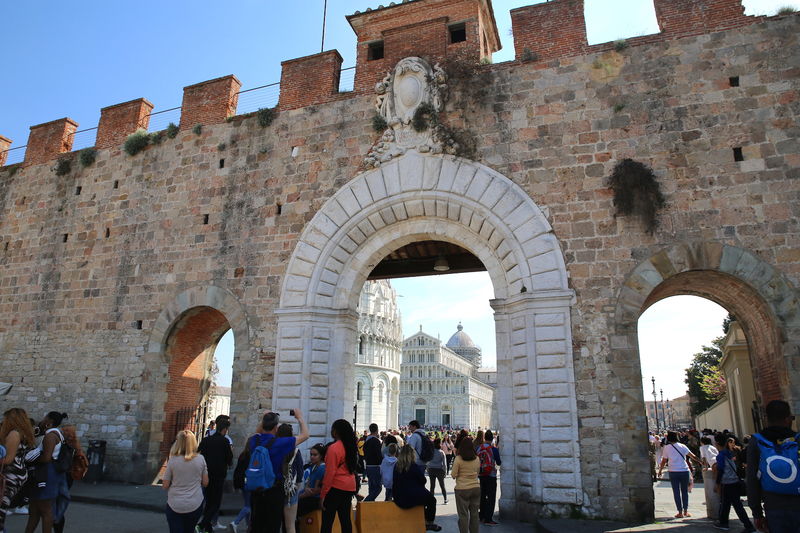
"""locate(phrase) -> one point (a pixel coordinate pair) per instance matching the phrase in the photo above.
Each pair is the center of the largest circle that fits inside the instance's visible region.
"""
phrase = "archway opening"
(715, 367)
(189, 351)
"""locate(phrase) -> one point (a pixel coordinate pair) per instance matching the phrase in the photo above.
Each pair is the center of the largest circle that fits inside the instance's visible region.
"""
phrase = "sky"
(73, 58)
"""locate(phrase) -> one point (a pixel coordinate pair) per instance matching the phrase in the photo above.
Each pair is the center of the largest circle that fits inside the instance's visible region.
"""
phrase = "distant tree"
(705, 363)
(714, 384)
(726, 324)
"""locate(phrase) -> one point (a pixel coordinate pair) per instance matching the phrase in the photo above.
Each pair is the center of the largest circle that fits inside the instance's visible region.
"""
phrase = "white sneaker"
(219, 526)
(232, 528)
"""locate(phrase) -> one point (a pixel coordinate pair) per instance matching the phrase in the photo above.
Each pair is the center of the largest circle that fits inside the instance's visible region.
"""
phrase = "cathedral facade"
(441, 385)
(377, 368)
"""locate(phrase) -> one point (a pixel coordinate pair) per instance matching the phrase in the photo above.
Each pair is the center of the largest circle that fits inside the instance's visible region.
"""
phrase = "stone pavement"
(140, 507)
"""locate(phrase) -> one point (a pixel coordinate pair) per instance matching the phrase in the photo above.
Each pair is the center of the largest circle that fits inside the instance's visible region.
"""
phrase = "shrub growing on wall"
(136, 142)
(87, 156)
(637, 192)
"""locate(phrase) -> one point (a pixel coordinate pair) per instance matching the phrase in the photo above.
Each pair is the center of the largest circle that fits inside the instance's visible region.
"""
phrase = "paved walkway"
(152, 498)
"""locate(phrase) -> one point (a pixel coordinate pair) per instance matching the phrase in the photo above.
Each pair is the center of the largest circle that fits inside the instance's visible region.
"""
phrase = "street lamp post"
(663, 413)
(655, 404)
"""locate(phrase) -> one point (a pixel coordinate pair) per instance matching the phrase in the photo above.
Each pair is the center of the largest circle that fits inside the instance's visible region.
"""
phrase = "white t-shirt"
(709, 453)
(676, 454)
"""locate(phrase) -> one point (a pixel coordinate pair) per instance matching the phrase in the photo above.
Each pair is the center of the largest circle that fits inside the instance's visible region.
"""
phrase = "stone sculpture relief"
(412, 87)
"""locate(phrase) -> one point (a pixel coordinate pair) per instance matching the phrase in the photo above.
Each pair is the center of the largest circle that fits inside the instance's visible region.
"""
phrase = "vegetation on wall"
(637, 192)
(379, 123)
(87, 157)
(136, 142)
(424, 116)
(265, 116)
(198, 129)
(172, 130)
(63, 167)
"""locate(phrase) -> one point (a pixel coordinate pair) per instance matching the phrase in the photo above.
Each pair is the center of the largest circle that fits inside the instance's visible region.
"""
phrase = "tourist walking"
(781, 501)
(184, 478)
(728, 484)
(408, 488)
(217, 452)
(678, 457)
(293, 476)
(266, 511)
(415, 440)
(468, 490)
(436, 468)
(16, 435)
(387, 469)
(489, 457)
(708, 456)
(78, 467)
(313, 473)
(339, 482)
(51, 483)
(372, 461)
(449, 451)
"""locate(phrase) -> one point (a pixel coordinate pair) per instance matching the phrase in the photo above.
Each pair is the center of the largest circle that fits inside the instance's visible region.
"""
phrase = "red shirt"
(336, 473)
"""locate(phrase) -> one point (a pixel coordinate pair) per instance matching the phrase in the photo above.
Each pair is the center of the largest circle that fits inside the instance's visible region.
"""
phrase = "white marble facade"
(377, 364)
(440, 384)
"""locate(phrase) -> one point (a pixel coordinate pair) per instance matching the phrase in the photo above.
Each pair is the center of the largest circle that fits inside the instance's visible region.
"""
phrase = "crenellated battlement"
(435, 29)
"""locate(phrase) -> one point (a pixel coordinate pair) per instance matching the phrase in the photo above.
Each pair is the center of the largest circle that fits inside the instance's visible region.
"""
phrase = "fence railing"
(249, 100)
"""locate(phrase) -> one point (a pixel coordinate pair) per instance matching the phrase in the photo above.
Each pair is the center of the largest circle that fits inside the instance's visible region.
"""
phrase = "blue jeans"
(183, 522)
(374, 479)
(783, 520)
(680, 489)
(245, 512)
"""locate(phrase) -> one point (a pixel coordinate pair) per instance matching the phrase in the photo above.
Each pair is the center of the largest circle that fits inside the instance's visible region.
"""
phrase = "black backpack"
(426, 451)
(63, 462)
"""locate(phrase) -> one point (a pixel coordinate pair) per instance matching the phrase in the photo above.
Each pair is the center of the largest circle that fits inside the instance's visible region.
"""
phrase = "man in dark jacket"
(219, 456)
(373, 457)
(782, 510)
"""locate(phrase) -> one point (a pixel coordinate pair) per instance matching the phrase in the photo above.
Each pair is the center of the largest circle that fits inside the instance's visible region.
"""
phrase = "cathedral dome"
(460, 339)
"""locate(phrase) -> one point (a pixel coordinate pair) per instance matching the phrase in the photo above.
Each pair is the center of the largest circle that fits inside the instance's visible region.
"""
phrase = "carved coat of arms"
(411, 89)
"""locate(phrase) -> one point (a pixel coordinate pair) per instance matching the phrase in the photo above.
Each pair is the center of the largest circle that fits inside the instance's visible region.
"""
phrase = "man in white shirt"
(708, 454)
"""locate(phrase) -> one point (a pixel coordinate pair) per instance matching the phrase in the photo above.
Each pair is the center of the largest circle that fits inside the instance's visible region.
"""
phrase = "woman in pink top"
(339, 483)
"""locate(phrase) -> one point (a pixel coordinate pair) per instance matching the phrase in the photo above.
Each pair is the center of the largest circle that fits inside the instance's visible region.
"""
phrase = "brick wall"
(120, 120)
(5, 144)
(47, 141)
(209, 102)
(309, 80)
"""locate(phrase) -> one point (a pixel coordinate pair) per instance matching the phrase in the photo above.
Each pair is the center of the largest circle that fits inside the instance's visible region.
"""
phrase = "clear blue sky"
(73, 58)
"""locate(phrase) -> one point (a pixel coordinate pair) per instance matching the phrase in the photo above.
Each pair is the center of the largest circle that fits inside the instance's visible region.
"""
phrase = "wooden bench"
(381, 516)
(312, 522)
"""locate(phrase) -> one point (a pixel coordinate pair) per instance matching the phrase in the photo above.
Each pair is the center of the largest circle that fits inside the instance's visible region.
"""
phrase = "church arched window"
(361, 345)
(358, 390)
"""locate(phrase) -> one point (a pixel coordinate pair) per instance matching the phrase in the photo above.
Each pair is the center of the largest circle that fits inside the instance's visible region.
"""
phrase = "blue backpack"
(259, 474)
(778, 466)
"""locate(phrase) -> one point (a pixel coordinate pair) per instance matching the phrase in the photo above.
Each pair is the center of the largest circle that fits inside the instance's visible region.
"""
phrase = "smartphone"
(291, 412)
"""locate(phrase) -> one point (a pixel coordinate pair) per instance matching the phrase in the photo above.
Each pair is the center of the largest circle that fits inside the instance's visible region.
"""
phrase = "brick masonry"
(79, 273)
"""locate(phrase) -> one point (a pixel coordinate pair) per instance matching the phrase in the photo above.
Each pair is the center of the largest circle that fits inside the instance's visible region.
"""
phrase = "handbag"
(742, 486)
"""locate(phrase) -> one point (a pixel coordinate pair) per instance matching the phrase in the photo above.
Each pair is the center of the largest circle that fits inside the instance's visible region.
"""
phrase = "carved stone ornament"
(412, 86)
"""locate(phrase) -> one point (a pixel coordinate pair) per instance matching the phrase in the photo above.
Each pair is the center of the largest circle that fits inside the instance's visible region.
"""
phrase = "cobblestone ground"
(86, 518)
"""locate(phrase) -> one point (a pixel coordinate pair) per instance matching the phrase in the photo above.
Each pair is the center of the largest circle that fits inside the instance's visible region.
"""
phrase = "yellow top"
(466, 473)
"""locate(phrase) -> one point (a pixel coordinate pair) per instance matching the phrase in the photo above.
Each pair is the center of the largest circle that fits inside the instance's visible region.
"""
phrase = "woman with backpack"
(729, 484)
(436, 468)
(468, 490)
(78, 467)
(408, 488)
(52, 481)
(16, 434)
(339, 483)
(292, 477)
(489, 457)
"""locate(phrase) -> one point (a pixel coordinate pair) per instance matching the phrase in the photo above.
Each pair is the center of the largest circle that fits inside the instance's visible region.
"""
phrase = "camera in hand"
(291, 412)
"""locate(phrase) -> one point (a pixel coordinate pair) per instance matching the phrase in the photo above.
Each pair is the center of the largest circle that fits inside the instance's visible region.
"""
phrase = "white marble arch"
(435, 197)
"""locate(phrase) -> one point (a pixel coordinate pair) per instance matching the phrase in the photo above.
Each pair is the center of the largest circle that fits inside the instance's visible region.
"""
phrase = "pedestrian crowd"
(763, 467)
(279, 488)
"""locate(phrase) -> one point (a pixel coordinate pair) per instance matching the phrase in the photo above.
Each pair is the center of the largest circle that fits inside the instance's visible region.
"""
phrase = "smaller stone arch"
(215, 309)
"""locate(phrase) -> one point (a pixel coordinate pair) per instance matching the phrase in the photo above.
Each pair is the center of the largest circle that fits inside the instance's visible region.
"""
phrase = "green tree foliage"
(705, 364)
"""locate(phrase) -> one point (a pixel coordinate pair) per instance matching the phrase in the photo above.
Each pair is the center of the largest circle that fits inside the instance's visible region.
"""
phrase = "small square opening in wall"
(108, 233)
(734, 81)
(737, 154)
(375, 51)
(116, 184)
(278, 208)
(295, 151)
(78, 190)
(222, 163)
(205, 219)
(458, 32)
(65, 237)
(138, 324)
